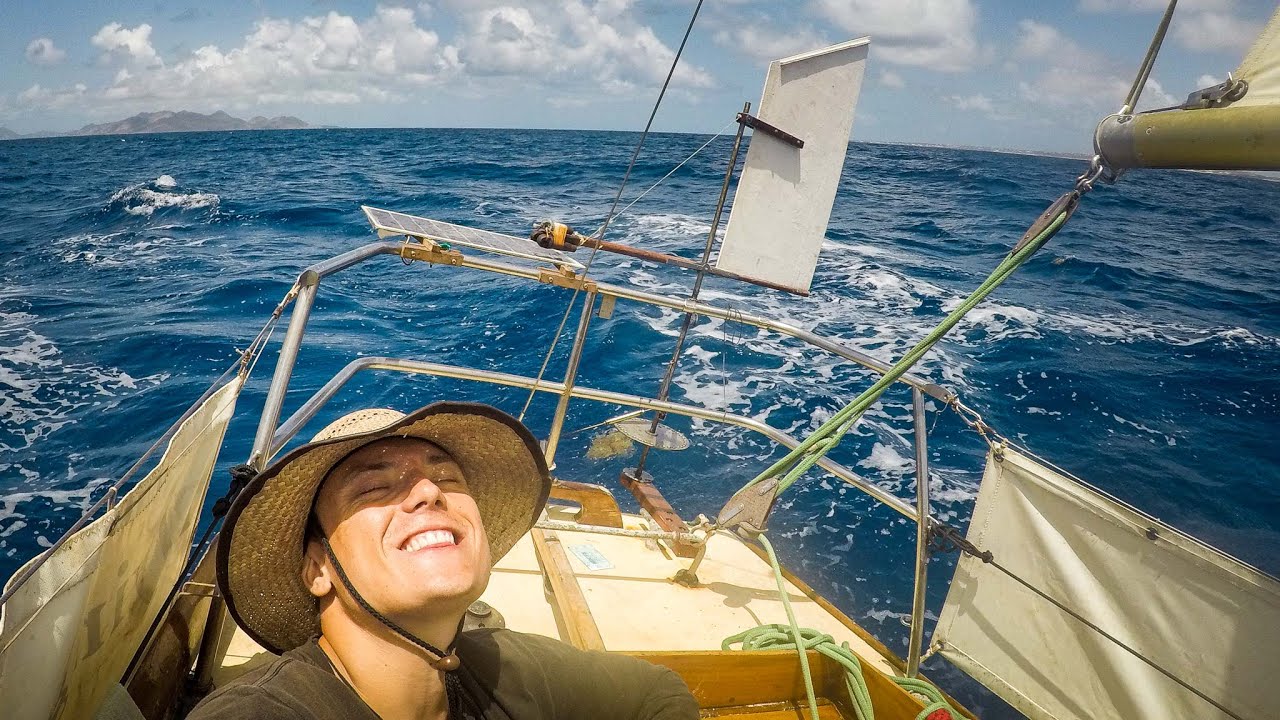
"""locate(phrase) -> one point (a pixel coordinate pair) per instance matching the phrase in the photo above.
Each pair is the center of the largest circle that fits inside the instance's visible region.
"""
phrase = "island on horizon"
(166, 121)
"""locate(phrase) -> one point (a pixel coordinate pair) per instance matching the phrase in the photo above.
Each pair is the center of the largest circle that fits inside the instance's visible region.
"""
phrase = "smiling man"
(356, 556)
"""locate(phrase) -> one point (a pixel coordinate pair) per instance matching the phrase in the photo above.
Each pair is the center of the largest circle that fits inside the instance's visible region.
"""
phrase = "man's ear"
(315, 571)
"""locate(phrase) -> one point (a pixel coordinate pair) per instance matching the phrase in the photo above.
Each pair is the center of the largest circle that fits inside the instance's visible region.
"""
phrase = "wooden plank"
(777, 711)
(571, 604)
(651, 499)
(734, 679)
(598, 504)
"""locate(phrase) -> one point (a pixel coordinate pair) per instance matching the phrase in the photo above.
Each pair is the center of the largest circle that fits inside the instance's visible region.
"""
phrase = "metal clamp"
(1218, 95)
(756, 123)
(566, 278)
(432, 254)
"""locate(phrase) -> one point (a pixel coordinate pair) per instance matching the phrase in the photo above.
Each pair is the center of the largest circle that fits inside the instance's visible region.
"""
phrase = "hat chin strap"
(446, 660)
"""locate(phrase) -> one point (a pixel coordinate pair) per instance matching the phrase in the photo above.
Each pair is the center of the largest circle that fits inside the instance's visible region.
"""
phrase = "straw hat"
(260, 549)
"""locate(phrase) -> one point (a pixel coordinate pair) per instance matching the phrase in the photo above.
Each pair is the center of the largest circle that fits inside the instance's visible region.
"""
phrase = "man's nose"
(423, 492)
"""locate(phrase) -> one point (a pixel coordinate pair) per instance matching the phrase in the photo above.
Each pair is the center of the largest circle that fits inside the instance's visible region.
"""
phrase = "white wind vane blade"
(785, 194)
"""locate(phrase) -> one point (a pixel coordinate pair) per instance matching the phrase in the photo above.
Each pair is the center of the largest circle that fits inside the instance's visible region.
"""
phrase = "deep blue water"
(1140, 350)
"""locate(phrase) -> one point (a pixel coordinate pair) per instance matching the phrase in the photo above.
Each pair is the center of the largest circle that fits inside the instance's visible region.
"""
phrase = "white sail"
(1261, 67)
(784, 198)
(1206, 619)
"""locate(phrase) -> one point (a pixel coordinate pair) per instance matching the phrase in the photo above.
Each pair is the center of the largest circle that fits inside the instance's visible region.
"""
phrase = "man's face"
(401, 520)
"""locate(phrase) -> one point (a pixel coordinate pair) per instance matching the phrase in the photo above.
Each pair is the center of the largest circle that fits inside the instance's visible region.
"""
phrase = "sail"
(67, 636)
(784, 197)
(1261, 67)
(1217, 129)
(1209, 622)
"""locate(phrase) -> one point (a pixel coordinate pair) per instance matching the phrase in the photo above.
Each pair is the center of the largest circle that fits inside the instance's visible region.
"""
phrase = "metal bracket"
(756, 123)
(749, 508)
(433, 254)
(566, 278)
(196, 589)
(1220, 94)
(607, 303)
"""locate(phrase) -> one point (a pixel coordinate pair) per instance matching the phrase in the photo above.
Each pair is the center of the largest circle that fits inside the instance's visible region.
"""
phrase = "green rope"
(813, 448)
(794, 637)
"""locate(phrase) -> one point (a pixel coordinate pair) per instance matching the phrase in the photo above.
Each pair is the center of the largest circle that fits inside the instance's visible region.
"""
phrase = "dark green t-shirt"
(505, 675)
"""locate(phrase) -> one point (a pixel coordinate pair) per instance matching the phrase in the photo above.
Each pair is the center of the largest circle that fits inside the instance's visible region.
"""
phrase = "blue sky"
(992, 73)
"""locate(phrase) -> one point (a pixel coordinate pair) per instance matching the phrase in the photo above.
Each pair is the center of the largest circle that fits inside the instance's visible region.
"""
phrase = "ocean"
(1139, 350)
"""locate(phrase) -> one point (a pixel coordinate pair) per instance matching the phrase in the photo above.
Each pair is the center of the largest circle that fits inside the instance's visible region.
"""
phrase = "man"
(356, 556)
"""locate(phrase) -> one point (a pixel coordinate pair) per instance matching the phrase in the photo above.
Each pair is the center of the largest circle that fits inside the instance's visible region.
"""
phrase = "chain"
(977, 424)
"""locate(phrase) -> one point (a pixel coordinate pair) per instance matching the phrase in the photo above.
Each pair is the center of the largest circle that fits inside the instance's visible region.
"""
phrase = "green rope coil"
(801, 640)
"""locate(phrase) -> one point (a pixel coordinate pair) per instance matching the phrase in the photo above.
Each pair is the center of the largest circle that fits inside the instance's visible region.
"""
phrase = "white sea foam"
(881, 318)
(121, 248)
(143, 199)
(43, 391)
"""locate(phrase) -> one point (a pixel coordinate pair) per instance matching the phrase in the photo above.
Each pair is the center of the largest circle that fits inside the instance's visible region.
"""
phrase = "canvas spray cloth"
(1208, 619)
(68, 635)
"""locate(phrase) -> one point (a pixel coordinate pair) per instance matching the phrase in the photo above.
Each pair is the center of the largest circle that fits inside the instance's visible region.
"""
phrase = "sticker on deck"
(591, 557)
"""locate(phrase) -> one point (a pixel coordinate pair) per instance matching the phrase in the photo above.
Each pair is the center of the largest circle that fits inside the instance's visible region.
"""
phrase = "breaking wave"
(145, 199)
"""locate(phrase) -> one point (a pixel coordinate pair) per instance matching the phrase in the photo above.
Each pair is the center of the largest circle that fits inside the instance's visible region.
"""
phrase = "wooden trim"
(854, 627)
(652, 501)
(570, 602)
(730, 682)
(598, 504)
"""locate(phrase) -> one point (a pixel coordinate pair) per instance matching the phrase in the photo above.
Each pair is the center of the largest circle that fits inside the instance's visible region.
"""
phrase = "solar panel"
(388, 222)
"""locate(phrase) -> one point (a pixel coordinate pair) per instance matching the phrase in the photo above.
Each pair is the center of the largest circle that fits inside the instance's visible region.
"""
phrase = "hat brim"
(260, 548)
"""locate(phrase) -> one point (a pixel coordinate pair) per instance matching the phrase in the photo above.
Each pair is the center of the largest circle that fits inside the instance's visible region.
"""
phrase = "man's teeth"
(428, 539)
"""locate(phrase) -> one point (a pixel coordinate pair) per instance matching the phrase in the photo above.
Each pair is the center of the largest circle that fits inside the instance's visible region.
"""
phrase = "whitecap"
(143, 201)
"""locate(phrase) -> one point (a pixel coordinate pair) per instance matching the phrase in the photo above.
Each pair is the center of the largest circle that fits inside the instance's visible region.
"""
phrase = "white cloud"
(1038, 40)
(570, 44)
(891, 79)
(1201, 25)
(1084, 83)
(134, 43)
(1215, 31)
(331, 59)
(937, 34)
(767, 44)
(1092, 93)
(1115, 6)
(1205, 81)
(1154, 96)
(42, 51)
(389, 56)
(979, 102)
(38, 96)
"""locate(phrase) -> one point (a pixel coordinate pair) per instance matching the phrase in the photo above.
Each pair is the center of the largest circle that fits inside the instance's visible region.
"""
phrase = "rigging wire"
(613, 208)
(1148, 61)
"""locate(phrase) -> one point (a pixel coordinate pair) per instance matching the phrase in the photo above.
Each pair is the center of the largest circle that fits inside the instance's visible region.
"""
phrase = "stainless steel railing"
(269, 439)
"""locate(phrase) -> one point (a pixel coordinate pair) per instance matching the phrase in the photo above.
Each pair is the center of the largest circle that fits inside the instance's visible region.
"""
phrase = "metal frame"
(270, 439)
